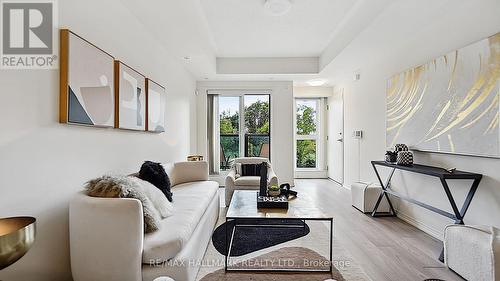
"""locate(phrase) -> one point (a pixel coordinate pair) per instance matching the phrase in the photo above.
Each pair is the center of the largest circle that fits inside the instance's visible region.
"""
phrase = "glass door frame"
(242, 127)
(318, 137)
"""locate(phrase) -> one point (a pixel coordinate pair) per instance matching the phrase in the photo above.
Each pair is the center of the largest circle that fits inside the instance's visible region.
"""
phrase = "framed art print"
(450, 104)
(130, 96)
(86, 83)
(156, 102)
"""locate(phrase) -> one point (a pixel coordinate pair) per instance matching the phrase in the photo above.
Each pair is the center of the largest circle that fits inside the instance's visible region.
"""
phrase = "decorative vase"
(401, 147)
(274, 193)
(391, 156)
(405, 158)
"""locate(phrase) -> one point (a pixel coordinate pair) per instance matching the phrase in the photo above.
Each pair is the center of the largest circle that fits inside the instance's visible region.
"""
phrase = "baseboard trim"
(420, 225)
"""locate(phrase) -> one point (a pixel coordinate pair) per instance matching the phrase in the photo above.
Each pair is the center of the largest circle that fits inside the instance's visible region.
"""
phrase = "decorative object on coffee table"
(405, 158)
(285, 190)
(274, 191)
(272, 202)
(17, 235)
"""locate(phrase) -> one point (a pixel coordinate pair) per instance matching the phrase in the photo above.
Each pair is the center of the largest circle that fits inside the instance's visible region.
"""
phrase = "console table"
(457, 216)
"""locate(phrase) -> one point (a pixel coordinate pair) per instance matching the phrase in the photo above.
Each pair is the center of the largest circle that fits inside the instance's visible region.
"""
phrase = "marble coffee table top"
(244, 205)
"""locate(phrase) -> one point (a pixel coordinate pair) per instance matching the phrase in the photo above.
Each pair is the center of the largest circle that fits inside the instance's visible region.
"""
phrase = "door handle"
(340, 140)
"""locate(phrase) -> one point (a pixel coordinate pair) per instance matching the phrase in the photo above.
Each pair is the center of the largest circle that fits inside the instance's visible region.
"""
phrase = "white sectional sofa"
(107, 241)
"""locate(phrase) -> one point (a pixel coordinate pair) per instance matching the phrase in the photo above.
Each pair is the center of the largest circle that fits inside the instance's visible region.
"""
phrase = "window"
(307, 133)
(243, 126)
(229, 128)
(257, 133)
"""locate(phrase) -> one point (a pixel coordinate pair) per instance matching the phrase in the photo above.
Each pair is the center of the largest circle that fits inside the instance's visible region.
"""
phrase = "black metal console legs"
(383, 193)
(457, 216)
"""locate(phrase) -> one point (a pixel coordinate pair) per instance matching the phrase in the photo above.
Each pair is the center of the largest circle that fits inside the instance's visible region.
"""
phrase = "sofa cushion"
(249, 180)
(126, 187)
(156, 175)
(190, 202)
(250, 170)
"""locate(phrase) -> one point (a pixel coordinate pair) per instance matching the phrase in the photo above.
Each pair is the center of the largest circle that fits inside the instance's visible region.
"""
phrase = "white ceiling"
(339, 35)
(243, 28)
(207, 31)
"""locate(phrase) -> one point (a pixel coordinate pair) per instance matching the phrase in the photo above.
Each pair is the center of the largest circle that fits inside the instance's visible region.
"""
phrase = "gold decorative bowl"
(16, 237)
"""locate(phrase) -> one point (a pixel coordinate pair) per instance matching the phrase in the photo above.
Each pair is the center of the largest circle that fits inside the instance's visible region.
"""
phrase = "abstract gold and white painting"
(156, 100)
(450, 104)
(131, 98)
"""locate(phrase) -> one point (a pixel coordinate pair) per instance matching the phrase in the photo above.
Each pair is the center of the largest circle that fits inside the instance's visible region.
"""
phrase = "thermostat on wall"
(357, 134)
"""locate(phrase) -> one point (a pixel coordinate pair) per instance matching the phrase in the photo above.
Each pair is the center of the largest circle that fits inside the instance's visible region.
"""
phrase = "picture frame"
(130, 97)
(86, 83)
(450, 104)
(156, 102)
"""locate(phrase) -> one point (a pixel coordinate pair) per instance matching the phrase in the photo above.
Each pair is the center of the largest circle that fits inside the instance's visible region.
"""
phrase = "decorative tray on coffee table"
(278, 202)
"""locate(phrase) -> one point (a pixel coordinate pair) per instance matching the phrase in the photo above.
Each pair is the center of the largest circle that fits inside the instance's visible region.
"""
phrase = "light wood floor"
(386, 248)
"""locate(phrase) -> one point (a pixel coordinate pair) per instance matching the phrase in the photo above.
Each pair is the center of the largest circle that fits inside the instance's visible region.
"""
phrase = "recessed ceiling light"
(277, 7)
(317, 82)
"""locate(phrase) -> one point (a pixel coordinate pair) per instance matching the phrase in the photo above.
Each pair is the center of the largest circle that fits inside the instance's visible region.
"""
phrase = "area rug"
(290, 257)
(314, 244)
(250, 236)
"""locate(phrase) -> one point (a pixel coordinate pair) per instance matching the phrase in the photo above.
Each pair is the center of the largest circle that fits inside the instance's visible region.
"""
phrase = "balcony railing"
(255, 145)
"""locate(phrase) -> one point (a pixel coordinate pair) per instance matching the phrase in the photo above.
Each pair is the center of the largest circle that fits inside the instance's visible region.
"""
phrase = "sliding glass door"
(244, 127)
(229, 129)
(257, 128)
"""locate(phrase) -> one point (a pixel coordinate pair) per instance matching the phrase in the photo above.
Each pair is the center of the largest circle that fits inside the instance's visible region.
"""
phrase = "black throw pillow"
(250, 170)
(155, 174)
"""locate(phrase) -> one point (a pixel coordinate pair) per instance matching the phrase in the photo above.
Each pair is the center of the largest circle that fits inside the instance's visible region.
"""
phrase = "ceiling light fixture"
(316, 83)
(278, 7)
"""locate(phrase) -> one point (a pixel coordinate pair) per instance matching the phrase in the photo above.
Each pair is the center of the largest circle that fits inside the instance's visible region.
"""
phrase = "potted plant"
(274, 190)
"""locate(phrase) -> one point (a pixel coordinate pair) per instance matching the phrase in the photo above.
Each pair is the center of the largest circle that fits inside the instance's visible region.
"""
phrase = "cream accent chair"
(234, 182)
(473, 252)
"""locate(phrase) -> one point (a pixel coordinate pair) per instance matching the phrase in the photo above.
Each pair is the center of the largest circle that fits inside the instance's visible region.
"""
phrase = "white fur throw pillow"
(125, 187)
(160, 202)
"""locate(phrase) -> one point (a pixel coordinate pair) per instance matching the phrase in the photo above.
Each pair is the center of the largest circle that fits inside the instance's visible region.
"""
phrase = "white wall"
(43, 163)
(406, 34)
(312, 92)
(281, 124)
